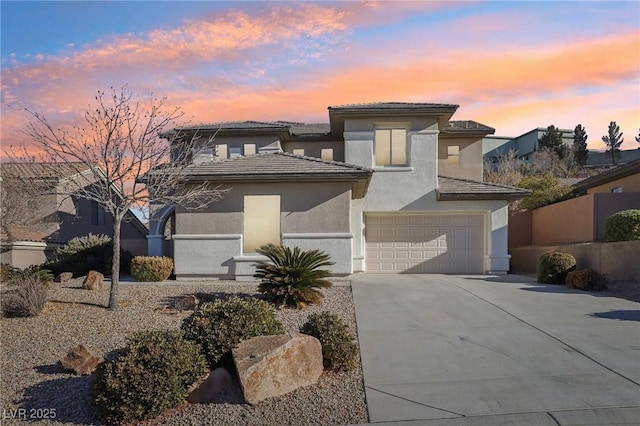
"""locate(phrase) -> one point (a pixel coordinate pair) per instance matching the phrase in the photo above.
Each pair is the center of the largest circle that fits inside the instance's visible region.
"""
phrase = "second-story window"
(249, 148)
(391, 147)
(298, 151)
(453, 155)
(326, 154)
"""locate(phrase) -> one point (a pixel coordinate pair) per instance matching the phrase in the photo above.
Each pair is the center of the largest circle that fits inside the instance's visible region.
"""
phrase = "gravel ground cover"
(32, 380)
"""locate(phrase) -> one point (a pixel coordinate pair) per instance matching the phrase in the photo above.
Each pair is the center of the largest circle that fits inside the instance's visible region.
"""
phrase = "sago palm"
(293, 276)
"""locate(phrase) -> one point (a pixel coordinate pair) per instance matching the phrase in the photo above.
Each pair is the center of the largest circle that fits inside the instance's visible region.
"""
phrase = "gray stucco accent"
(339, 246)
(206, 254)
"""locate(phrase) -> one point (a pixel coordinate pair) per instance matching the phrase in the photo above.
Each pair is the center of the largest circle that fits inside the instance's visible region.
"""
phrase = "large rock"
(188, 303)
(80, 360)
(93, 281)
(215, 383)
(64, 277)
(270, 366)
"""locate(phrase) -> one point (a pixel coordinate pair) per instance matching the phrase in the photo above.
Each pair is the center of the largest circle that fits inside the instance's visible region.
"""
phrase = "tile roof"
(610, 175)
(274, 165)
(11, 232)
(53, 171)
(291, 127)
(393, 106)
(467, 126)
(467, 189)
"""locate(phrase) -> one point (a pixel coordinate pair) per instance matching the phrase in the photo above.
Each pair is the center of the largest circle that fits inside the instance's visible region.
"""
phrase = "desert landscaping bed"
(32, 379)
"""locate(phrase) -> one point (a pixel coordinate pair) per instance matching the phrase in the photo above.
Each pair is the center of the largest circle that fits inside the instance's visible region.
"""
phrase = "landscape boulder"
(64, 277)
(214, 384)
(93, 281)
(188, 303)
(80, 360)
(270, 366)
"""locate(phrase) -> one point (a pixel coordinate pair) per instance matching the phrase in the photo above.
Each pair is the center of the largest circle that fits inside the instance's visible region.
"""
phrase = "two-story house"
(383, 188)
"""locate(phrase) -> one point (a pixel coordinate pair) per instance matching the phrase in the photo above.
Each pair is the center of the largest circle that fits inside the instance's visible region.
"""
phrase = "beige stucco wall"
(519, 228)
(308, 207)
(470, 162)
(571, 221)
(628, 184)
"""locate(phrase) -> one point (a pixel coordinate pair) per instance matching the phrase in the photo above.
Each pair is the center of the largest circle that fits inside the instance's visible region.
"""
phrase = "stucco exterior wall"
(22, 254)
(628, 184)
(619, 261)
(313, 215)
(314, 148)
(470, 164)
(570, 221)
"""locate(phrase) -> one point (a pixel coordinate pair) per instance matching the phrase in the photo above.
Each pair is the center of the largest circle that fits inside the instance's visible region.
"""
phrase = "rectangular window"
(298, 151)
(235, 151)
(453, 155)
(326, 154)
(221, 151)
(391, 147)
(249, 148)
(617, 190)
(261, 221)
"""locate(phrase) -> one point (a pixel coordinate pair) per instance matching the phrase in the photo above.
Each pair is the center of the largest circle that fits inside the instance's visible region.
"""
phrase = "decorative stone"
(93, 281)
(270, 366)
(215, 383)
(80, 360)
(64, 277)
(189, 303)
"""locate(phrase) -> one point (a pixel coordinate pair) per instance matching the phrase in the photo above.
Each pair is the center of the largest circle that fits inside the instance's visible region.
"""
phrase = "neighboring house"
(51, 220)
(383, 187)
(580, 219)
(526, 144)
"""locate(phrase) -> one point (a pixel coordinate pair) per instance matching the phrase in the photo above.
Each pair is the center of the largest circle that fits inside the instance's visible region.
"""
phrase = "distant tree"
(505, 170)
(638, 137)
(613, 140)
(552, 139)
(120, 143)
(580, 151)
(546, 189)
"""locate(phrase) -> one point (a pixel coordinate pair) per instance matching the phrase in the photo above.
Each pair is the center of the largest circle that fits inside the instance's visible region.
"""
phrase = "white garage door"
(424, 243)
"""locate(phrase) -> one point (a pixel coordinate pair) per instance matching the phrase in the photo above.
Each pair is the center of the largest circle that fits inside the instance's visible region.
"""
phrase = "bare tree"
(506, 170)
(120, 143)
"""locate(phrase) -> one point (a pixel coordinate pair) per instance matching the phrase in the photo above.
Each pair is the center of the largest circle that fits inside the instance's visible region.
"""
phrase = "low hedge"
(151, 268)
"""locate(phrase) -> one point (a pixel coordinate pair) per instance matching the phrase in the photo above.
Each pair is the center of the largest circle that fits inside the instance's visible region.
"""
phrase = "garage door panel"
(425, 243)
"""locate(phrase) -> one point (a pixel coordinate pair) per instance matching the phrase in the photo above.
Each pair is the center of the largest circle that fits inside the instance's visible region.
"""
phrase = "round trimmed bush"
(622, 226)
(220, 325)
(152, 374)
(586, 279)
(554, 266)
(339, 351)
(151, 268)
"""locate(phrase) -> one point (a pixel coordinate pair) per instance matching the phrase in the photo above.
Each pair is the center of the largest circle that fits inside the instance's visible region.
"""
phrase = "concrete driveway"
(483, 350)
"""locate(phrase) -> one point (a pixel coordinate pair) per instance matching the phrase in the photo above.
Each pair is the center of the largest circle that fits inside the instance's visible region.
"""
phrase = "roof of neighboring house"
(610, 175)
(279, 166)
(467, 126)
(53, 171)
(451, 189)
(290, 127)
(12, 232)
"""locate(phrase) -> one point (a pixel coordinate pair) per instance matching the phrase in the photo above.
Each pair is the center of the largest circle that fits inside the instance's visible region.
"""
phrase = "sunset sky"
(511, 65)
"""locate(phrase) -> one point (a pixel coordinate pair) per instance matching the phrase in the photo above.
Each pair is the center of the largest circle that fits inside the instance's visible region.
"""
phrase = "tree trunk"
(115, 267)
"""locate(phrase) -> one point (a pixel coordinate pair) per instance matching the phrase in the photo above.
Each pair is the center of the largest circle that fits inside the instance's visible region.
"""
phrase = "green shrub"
(83, 254)
(151, 375)
(26, 294)
(293, 276)
(586, 279)
(546, 189)
(554, 266)
(339, 351)
(147, 268)
(622, 226)
(220, 325)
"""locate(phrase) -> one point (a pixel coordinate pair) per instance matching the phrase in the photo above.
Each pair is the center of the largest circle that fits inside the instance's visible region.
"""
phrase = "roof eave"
(457, 196)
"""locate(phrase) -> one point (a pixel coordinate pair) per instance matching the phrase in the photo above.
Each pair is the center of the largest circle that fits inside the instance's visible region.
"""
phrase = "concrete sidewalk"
(482, 350)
